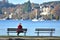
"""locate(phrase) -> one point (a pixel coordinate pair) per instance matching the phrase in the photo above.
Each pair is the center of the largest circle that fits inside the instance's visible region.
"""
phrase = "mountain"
(29, 4)
(6, 5)
(54, 3)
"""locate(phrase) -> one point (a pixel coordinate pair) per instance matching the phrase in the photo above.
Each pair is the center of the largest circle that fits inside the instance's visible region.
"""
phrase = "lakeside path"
(29, 38)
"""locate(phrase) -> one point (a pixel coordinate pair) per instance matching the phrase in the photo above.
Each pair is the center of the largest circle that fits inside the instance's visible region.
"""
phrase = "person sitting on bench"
(19, 29)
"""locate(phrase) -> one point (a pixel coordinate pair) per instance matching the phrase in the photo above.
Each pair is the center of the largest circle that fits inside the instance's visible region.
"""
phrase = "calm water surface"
(30, 25)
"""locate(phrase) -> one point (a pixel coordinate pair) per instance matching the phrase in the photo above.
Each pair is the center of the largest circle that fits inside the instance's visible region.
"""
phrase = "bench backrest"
(14, 29)
(44, 29)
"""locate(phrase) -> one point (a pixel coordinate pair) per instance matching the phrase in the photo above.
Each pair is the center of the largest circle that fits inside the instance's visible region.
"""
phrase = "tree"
(27, 7)
(0, 11)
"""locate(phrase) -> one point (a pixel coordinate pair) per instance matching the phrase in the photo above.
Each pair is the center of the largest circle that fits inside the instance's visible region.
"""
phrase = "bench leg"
(37, 33)
(8, 33)
(51, 33)
(24, 33)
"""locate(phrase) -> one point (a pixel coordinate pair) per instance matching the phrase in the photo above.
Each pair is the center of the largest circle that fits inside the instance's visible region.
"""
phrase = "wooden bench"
(44, 30)
(13, 30)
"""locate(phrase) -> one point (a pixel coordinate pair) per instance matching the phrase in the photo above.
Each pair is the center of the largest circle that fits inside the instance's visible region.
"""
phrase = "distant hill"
(27, 7)
(12, 5)
(28, 3)
(54, 3)
(6, 5)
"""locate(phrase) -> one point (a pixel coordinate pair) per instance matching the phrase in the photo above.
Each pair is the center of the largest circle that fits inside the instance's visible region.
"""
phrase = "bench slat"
(43, 29)
(44, 32)
(13, 30)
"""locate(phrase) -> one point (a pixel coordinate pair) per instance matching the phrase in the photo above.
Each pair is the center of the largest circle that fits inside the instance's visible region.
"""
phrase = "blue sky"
(34, 1)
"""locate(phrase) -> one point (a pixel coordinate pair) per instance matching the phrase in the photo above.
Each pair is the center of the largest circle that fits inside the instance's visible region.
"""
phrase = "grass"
(31, 37)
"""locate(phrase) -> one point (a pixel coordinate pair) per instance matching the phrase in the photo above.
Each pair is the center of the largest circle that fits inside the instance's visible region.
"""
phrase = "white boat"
(35, 19)
(21, 19)
(41, 19)
(54, 20)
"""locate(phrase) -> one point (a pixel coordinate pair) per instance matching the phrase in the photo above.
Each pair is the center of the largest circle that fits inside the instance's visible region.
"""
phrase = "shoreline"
(29, 38)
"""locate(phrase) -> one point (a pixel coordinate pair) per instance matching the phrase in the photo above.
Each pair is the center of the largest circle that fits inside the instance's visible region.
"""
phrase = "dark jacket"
(19, 28)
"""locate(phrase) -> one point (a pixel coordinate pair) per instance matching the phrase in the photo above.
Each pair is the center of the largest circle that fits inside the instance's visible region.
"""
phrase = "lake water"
(30, 25)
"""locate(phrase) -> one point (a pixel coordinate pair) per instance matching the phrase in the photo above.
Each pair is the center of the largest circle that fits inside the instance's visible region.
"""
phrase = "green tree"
(0, 11)
(27, 7)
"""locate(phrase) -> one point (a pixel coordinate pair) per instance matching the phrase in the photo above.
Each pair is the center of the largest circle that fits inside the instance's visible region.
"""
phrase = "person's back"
(19, 29)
